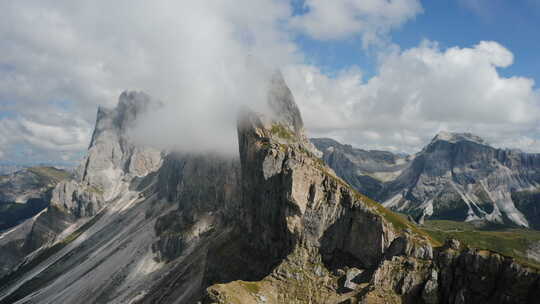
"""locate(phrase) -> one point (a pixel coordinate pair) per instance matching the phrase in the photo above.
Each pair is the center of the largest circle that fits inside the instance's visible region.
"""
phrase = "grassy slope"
(506, 241)
(50, 172)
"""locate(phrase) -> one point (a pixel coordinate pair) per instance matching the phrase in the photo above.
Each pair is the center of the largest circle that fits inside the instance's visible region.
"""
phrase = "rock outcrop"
(454, 275)
(365, 170)
(112, 155)
(112, 161)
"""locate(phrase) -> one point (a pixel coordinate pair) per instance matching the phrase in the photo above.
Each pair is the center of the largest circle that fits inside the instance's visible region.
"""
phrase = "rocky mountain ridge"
(457, 176)
(365, 170)
(25, 184)
(26, 192)
(273, 225)
(112, 161)
(23, 195)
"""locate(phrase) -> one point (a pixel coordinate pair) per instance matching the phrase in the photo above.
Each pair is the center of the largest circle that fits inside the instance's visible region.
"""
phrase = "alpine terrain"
(271, 225)
(457, 176)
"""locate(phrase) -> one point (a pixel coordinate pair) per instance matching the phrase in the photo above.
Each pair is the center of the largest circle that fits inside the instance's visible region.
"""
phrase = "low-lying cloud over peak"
(204, 59)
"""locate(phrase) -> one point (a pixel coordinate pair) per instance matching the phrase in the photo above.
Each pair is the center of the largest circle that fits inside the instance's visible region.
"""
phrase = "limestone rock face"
(365, 170)
(303, 201)
(205, 189)
(299, 213)
(350, 277)
(112, 158)
(75, 199)
(453, 276)
(112, 161)
(282, 105)
(30, 183)
(275, 209)
(480, 276)
(112, 155)
(458, 176)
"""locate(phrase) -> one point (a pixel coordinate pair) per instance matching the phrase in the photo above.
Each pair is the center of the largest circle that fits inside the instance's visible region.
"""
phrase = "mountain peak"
(453, 137)
(282, 104)
(284, 122)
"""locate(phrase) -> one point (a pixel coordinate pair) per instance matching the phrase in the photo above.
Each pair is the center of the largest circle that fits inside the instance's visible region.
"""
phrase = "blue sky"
(459, 24)
(377, 74)
(514, 24)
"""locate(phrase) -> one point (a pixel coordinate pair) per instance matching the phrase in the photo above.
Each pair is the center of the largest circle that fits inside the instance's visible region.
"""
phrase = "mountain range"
(26, 192)
(457, 176)
(273, 224)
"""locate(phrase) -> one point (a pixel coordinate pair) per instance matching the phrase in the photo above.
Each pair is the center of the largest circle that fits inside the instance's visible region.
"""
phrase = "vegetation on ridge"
(281, 131)
(510, 242)
(50, 172)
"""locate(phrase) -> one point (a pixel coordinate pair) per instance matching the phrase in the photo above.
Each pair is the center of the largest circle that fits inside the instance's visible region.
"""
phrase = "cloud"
(491, 10)
(339, 19)
(3, 143)
(419, 92)
(50, 135)
(202, 59)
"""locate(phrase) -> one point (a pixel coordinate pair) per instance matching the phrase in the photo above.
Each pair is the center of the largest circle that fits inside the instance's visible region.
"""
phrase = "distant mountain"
(457, 176)
(364, 170)
(26, 192)
(8, 167)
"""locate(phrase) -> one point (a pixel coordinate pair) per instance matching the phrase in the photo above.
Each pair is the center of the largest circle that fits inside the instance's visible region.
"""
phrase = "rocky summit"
(274, 224)
(457, 176)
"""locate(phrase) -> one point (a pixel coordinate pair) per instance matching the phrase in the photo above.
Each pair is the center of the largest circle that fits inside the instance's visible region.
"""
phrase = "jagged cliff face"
(274, 225)
(112, 156)
(457, 177)
(337, 246)
(460, 177)
(308, 220)
(112, 161)
(302, 199)
(30, 183)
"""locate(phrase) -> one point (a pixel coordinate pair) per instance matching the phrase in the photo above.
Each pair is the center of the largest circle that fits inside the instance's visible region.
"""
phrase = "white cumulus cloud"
(60, 59)
(337, 19)
(201, 58)
(419, 92)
